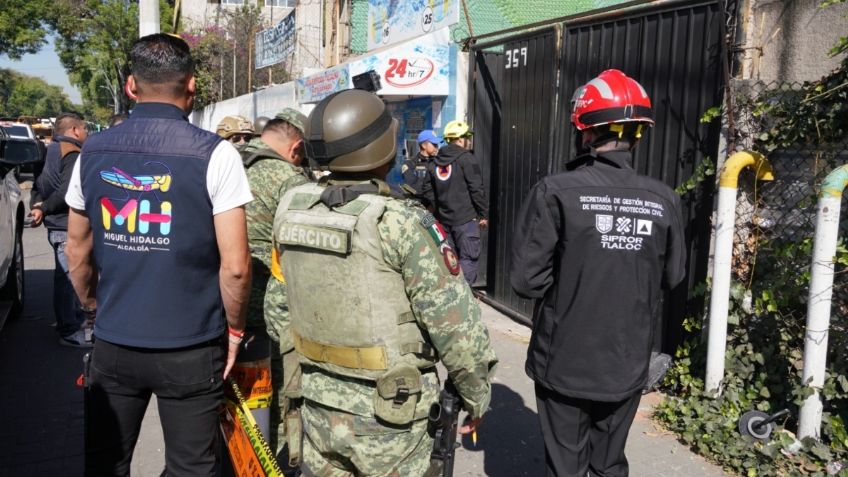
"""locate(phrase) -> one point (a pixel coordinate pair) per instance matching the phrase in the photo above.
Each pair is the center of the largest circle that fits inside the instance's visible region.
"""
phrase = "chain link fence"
(776, 219)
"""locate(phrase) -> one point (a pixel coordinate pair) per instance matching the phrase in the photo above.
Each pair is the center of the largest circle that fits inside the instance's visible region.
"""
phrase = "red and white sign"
(408, 72)
(416, 68)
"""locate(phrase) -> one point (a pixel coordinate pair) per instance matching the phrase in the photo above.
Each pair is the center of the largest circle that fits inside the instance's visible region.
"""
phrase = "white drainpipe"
(722, 257)
(818, 304)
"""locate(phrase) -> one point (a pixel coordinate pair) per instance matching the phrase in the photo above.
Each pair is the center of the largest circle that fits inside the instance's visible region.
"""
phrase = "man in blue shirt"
(157, 244)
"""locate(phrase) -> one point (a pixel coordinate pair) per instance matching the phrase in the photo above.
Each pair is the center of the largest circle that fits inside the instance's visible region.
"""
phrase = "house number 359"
(516, 57)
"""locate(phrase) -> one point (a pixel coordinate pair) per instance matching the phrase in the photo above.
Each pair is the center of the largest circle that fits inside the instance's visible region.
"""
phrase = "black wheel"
(749, 425)
(14, 288)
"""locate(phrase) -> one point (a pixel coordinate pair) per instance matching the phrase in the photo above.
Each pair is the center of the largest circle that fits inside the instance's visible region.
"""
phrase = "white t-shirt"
(226, 181)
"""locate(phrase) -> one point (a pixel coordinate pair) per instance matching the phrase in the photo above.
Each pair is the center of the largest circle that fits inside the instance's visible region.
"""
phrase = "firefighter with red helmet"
(595, 246)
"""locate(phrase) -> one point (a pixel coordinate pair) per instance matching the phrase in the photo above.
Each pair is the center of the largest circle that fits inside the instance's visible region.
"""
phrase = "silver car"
(13, 152)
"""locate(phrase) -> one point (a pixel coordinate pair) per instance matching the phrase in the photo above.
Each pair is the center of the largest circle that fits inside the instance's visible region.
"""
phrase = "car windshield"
(20, 131)
(21, 151)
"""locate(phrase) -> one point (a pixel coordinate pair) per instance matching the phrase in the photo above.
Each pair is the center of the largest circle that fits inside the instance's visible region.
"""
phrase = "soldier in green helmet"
(272, 162)
(259, 124)
(376, 299)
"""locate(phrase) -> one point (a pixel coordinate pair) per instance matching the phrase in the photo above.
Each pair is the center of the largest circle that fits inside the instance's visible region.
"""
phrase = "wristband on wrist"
(90, 311)
(235, 336)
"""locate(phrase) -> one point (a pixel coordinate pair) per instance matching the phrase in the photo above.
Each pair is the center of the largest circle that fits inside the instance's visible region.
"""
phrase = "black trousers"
(582, 437)
(188, 386)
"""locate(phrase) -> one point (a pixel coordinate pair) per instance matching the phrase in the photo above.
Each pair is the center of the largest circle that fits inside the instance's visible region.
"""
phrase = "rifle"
(444, 417)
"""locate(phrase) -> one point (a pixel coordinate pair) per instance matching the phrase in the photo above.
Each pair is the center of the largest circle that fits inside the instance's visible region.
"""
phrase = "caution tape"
(250, 454)
(254, 381)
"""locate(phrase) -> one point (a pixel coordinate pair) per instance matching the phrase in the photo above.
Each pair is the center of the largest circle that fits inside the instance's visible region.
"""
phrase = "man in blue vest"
(157, 245)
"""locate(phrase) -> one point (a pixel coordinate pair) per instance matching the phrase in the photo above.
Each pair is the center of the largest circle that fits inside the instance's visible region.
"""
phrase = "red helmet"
(610, 98)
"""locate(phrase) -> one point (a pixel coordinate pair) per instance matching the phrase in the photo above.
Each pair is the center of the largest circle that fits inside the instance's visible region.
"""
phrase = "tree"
(24, 95)
(219, 50)
(209, 48)
(95, 38)
(22, 28)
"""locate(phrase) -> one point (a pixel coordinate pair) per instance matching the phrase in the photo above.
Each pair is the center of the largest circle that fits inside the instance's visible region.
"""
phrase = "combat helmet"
(351, 131)
(232, 125)
(259, 124)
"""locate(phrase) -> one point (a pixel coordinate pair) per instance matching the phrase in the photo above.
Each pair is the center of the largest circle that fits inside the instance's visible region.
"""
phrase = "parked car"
(18, 130)
(27, 154)
(11, 225)
(42, 128)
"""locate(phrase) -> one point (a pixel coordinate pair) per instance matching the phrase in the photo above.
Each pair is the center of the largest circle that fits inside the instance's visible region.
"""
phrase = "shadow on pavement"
(509, 437)
(41, 407)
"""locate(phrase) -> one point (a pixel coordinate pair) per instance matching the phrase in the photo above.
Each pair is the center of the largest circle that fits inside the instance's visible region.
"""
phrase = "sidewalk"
(41, 406)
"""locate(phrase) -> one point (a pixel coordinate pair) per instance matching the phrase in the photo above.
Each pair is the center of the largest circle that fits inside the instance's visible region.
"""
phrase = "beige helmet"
(232, 125)
(351, 131)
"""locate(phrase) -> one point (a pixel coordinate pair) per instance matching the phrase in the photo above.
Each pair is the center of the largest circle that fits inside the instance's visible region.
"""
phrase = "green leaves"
(710, 114)
(22, 28)
(763, 362)
(27, 95)
(94, 41)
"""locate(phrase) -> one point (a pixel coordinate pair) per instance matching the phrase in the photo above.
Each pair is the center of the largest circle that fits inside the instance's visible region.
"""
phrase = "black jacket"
(455, 186)
(52, 184)
(415, 172)
(595, 246)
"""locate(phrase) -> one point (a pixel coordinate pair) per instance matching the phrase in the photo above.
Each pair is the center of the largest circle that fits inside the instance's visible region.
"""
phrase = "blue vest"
(144, 184)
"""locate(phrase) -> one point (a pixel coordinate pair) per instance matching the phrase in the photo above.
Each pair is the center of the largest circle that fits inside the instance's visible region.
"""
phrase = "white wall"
(788, 41)
(267, 102)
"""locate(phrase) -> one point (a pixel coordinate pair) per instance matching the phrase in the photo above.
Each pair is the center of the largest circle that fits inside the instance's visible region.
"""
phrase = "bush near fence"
(803, 130)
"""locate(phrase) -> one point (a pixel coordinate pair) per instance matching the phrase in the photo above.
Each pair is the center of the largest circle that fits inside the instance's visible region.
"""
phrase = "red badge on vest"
(451, 261)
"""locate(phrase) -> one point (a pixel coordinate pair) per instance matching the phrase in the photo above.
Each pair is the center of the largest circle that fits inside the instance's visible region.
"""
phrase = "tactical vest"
(349, 311)
(250, 158)
(145, 193)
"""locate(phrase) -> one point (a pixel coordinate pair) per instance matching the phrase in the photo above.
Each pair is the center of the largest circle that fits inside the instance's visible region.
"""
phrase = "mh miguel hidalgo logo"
(408, 72)
(133, 210)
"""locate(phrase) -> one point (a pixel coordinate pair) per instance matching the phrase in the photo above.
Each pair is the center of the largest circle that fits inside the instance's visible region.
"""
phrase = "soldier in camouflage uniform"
(376, 300)
(273, 167)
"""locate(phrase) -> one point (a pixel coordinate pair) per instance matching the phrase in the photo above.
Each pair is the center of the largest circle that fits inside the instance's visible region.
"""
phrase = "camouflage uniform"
(343, 436)
(269, 180)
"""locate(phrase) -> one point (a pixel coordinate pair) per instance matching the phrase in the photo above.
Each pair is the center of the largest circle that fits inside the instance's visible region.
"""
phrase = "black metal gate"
(514, 105)
(675, 51)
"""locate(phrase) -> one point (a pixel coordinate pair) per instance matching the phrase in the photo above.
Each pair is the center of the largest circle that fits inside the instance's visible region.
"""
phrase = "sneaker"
(76, 340)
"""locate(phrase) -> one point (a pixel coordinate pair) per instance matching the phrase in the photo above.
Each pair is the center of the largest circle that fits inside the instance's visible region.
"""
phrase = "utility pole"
(148, 17)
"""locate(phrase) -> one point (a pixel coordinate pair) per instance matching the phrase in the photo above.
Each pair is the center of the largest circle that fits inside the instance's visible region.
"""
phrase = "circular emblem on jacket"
(451, 261)
(443, 173)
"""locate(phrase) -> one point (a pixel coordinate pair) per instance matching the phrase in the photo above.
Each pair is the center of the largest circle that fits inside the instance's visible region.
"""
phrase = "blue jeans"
(66, 305)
